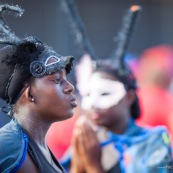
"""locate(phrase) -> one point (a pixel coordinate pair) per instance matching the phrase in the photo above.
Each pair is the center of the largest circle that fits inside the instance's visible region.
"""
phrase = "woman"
(106, 139)
(33, 81)
(110, 102)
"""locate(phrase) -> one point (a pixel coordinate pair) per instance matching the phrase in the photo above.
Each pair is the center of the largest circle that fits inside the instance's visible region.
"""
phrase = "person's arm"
(28, 166)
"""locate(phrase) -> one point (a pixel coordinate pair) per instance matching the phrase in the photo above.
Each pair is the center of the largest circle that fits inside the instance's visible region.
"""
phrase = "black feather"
(6, 34)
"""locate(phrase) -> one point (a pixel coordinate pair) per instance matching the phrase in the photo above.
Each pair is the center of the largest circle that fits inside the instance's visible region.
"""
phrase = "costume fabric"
(19, 142)
(13, 147)
(137, 150)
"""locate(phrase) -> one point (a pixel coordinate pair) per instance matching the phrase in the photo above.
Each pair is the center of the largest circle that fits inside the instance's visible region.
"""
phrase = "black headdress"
(24, 58)
(115, 64)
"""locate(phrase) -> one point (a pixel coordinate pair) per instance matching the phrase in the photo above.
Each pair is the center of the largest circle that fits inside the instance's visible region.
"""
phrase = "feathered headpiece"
(116, 60)
(115, 64)
(23, 59)
(7, 36)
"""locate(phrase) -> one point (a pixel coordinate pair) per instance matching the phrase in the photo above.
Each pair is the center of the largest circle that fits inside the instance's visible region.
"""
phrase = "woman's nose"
(93, 106)
(68, 88)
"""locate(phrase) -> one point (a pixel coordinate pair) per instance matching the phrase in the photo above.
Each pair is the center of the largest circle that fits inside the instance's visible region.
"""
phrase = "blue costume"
(140, 150)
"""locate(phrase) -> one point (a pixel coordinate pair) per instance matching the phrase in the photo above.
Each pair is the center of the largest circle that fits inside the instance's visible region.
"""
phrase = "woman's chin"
(98, 122)
(67, 116)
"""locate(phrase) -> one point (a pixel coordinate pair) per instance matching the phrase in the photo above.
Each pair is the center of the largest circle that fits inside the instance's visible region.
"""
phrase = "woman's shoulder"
(152, 148)
(11, 133)
(12, 146)
(160, 131)
(154, 133)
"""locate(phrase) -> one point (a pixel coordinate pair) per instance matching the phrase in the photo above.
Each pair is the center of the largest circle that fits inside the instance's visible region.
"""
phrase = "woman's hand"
(76, 164)
(86, 146)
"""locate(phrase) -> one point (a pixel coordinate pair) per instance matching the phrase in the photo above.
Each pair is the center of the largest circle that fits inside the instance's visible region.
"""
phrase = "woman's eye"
(56, 81)
(104, 94)
(87, 95)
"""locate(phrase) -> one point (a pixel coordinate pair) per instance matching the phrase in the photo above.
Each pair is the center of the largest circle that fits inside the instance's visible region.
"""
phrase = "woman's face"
(54, 96)
(105, 101)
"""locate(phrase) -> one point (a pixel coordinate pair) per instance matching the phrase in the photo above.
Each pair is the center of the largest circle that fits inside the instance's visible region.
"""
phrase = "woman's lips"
(73, 102)
(95, 116)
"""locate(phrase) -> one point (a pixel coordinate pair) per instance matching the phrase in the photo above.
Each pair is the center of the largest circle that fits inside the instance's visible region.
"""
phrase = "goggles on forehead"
(44, 66)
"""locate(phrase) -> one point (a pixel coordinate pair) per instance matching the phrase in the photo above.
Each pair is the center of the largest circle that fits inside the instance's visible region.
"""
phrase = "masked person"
(111, 102)
(106, 138)
(33, 81)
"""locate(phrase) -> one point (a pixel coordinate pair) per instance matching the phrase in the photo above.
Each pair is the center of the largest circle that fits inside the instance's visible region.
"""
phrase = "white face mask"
(102, 93)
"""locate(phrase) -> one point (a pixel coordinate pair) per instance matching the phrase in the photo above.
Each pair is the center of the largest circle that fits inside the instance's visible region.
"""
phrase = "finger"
(88, 132)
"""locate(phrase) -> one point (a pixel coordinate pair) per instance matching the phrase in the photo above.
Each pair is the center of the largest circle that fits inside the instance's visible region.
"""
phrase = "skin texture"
(45, 100)
(85, 144)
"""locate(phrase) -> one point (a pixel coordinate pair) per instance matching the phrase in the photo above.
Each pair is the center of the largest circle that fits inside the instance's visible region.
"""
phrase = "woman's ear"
(28, 95)
(130, 97)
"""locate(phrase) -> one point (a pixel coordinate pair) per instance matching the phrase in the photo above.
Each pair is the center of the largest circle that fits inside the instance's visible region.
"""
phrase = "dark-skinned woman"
(33, 82)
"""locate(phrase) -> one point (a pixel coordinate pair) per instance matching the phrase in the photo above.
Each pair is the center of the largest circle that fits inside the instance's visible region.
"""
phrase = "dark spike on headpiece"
(7, 36)
(79, 30)
(124, 37)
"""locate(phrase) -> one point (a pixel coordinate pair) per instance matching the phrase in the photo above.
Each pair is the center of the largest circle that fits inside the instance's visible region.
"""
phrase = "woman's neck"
(120, 126)
(34, 126)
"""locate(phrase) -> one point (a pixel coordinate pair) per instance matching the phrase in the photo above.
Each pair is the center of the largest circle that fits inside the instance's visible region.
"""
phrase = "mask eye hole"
(87, 95)
(104, 94)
